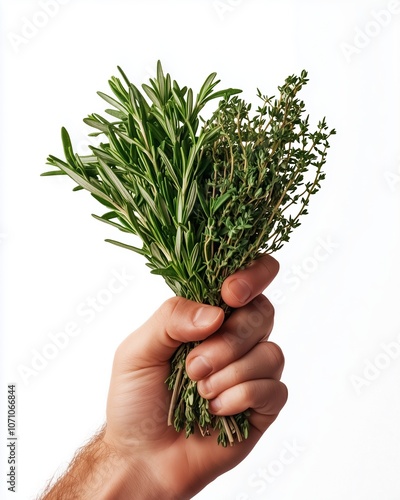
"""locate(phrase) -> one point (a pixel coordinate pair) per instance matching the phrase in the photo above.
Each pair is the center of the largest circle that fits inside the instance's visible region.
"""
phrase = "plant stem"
(188, 408)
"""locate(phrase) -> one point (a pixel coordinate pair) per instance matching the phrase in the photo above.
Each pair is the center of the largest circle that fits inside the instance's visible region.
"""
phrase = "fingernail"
(215, 405)
(199, 367)
(205, 316)
(205, 386)
(240, 290)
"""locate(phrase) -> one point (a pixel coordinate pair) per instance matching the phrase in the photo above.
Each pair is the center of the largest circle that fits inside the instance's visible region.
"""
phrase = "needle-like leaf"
(204, 199)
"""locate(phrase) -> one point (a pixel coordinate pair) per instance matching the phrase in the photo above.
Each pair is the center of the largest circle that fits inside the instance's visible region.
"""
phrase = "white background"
(337, 309)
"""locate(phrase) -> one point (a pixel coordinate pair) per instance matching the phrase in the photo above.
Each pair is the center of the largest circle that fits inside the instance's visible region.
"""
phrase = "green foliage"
(205, 197)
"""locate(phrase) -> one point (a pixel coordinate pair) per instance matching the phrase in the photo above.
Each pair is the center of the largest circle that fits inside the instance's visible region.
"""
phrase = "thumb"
(176, 321)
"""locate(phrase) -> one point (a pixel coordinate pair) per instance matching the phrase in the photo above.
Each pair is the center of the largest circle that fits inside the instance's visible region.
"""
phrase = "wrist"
(99, 471)
(126, 476)
(144, 478)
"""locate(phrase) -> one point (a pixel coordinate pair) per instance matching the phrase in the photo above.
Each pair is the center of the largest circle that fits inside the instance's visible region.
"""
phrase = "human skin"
(136, 455)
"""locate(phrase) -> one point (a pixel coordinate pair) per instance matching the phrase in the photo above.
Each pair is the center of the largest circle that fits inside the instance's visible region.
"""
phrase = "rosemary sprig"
(205, 197)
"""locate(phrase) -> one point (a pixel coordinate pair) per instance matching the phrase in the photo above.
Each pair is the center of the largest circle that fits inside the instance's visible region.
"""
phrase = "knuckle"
(168, 309)
(274, 399)
(276, 353)
(263, 305)
(236, 375)
(246, 395)
(230, 341)
(285, 393)
(263, 301)
(270, 263)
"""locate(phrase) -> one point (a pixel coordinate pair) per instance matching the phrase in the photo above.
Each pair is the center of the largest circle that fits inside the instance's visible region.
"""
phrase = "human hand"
(236, 367)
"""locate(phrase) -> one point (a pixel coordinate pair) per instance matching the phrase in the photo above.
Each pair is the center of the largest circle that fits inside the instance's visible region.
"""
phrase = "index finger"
(246, 284)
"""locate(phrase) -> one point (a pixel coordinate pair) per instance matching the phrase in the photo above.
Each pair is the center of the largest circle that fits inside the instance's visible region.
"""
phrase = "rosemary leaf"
(205, 197)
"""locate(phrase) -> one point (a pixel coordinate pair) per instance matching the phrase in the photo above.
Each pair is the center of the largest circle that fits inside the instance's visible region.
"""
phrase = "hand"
(236, 368)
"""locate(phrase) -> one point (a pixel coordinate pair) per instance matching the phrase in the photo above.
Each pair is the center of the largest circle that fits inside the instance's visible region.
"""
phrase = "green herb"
(205, 197)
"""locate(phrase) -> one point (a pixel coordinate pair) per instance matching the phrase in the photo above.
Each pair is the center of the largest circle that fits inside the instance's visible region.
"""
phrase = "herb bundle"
(206, 197)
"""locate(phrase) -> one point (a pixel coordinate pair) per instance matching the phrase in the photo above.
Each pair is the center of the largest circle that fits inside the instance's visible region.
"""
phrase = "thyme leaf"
(206, 197)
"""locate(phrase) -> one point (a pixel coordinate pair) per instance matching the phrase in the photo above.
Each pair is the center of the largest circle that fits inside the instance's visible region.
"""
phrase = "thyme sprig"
(205, 197)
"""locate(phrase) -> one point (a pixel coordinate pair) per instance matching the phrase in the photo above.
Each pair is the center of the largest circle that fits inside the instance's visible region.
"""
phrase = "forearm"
(97, 471)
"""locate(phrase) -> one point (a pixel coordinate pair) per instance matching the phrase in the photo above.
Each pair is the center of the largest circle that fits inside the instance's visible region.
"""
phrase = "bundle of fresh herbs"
(206, 197)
